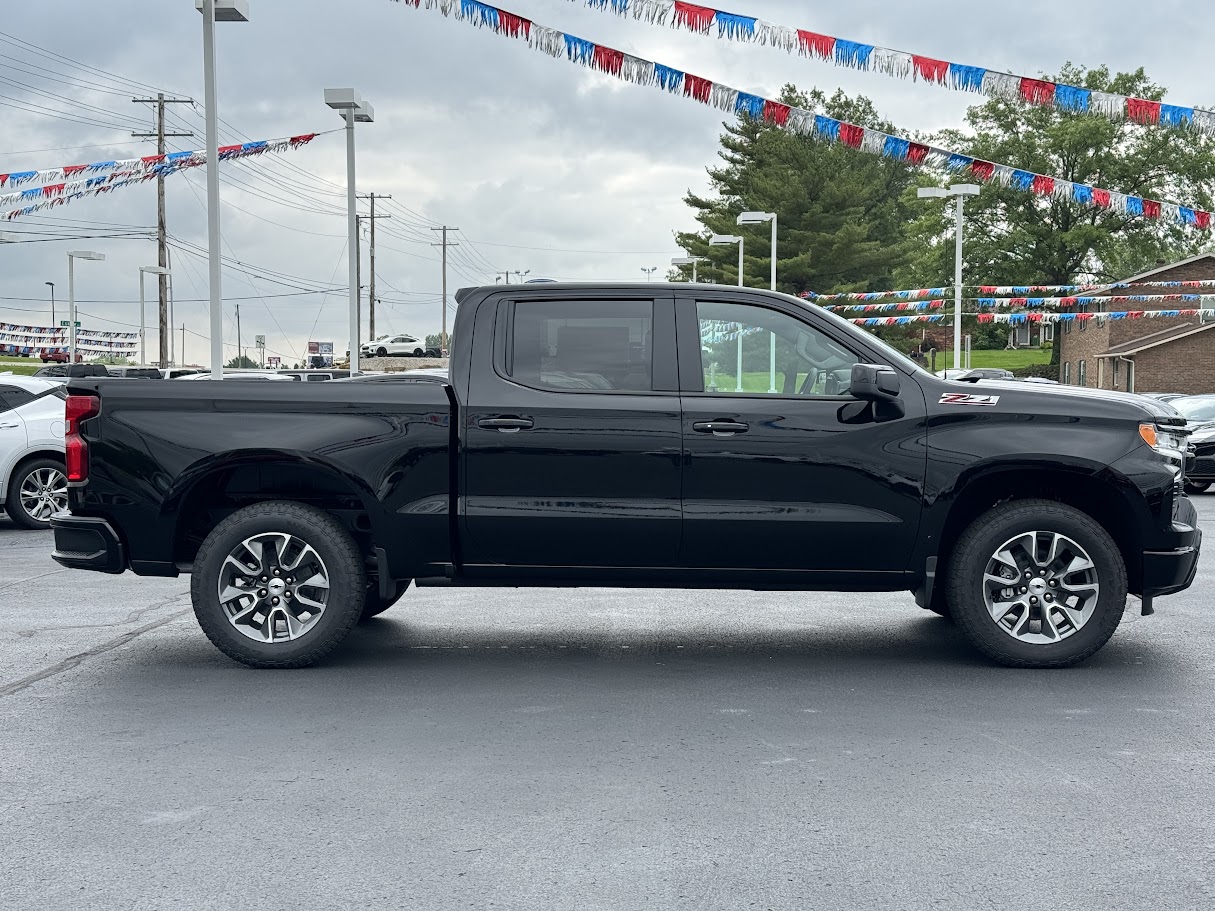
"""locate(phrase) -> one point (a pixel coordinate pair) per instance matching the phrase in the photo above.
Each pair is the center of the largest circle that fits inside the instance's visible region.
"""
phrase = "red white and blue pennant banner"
(896, 320)
(1025, 303)
(59, 186)
(902, 65)
(1015, 318)
(645, 72)
(999, 290)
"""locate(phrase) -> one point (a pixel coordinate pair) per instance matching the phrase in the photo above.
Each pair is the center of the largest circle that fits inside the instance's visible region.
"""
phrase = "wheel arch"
(1099, 492)
(215, 487)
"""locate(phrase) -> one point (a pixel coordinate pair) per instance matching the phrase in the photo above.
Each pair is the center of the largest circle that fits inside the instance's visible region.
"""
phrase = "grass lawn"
(1010, 360)
(20, 368)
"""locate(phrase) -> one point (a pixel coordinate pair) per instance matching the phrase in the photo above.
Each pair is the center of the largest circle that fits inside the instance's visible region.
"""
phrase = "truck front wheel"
(278, 585)
(1037, 584)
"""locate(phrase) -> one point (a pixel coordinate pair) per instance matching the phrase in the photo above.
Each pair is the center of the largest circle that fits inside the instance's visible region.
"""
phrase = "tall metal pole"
(71, 309)
(774, 251)
(353, 257)
(371, 280)
(215, 275)
(694, 271)
(957, 304)
(772, 339)
(52, 284)
(738, 386)
(240, 354)
(143, 327)
(443, 332)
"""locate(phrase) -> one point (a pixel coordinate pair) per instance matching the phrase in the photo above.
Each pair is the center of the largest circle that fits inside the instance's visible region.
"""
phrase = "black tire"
(374, 605)
(381, 352)
(986, 535)
(1202, 487)
(342, 561)
(418, 352)
(13, 504)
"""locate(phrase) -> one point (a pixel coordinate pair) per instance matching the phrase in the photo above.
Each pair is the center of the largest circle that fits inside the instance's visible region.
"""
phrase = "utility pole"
(506, 273)
(161, 231)
(371, 291)
(445, 244)
(183, 344)
(240, 354)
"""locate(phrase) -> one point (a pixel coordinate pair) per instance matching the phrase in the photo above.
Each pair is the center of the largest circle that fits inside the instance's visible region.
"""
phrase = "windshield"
(1196, 409)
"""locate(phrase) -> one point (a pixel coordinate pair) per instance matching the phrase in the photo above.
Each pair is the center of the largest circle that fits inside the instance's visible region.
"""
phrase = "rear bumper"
(84, 543)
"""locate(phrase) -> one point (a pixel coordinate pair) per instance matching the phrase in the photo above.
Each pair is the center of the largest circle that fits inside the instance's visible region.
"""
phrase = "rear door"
(572, 433)
(784, 470)
(12, 431)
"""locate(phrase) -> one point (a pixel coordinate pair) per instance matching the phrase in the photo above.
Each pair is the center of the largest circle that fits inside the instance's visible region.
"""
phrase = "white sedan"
(33, 481)
(394, 346)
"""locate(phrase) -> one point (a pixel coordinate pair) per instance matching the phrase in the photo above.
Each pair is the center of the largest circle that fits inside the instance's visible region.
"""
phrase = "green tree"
(842, 214)
(1014, 237)
(244, 362)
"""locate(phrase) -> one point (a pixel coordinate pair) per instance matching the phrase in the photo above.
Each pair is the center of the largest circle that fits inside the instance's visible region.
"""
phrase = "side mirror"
(874, 383)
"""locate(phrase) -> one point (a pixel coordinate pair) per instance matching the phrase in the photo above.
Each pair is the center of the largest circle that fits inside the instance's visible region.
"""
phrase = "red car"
(58, 357)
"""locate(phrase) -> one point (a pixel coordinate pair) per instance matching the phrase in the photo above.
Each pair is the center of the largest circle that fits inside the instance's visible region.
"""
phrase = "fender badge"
(962, 398)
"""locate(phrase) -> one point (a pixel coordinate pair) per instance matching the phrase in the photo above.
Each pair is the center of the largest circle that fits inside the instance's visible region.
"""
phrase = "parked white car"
(394, 346)
(33, 480)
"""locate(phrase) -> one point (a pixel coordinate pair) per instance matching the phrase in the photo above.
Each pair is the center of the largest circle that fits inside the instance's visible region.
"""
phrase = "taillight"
(79, 408)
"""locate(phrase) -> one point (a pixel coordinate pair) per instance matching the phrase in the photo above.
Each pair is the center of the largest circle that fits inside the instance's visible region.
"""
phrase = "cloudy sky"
(542, 165)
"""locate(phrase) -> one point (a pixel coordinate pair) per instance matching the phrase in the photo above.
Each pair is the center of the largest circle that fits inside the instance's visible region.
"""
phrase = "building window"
(1081, 375)
(1048, 333)
(1067, 373)
(1117, 372)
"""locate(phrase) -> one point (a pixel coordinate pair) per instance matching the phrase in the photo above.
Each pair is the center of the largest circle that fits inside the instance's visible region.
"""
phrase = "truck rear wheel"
(278, 585)
(1037, 584)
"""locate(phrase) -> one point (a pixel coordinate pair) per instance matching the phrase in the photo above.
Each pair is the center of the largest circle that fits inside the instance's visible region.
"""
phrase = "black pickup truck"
(686, 436)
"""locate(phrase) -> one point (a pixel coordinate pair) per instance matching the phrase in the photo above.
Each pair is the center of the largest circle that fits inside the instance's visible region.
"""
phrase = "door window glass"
(11, 397)
(778, 354)
(583, 346)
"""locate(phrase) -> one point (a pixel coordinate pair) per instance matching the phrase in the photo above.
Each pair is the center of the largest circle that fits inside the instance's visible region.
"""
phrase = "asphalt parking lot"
(538, 749)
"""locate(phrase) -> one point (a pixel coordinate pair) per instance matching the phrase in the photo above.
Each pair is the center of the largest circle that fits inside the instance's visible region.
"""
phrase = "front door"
(572, 434)
(784, 470)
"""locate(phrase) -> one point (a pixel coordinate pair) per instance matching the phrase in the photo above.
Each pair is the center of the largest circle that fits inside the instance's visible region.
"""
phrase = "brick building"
(1145, 355)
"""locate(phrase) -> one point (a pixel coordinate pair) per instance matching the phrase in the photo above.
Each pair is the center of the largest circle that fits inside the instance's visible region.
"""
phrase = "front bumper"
(84, 543)
(1166, 572)
(1202, 467)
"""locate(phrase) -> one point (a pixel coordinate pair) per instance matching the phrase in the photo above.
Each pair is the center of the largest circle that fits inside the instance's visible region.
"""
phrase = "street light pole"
(960, 191)
(755, 218)
(353, 110)
(72, 257)
(722, 240)
(648, 272)
(52, 284)
(689, 261)
(215, 11)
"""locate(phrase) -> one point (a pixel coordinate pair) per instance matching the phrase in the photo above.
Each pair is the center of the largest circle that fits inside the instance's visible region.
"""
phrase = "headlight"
(1168, 443)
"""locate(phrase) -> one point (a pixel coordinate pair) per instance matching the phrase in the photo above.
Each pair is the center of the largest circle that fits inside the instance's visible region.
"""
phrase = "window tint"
(583, 345)
(11, 397)
(779, 355)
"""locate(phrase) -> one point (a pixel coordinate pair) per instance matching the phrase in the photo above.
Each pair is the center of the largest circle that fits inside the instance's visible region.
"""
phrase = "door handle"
(506, 424)
(9, 426)
(721, 428)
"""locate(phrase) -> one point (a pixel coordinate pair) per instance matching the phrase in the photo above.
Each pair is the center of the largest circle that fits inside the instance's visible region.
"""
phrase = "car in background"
(136, 373)
(425, 375)
(242, 375)
(62, 372)
(973, 374)
(315, 376)
(33, 480)
(1199, 412)
(398, 346)
(176, 373)
(1164, 396)
(58, 357)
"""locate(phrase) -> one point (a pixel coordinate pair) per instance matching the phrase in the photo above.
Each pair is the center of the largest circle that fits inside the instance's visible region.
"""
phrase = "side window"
(1067, 373)
(1081, 375)
(11, 397)
(777, 353)
(583, 345)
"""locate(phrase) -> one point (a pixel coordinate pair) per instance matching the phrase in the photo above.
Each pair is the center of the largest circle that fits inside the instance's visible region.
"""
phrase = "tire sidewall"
(12, 503)
(347, 583)
(984, 538)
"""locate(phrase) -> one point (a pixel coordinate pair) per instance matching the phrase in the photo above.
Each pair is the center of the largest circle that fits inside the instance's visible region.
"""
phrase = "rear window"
(11, 397)
(583, 346)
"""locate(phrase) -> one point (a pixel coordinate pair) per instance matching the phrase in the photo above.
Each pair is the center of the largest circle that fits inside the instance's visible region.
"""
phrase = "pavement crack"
(133, 617)
(75, 660)
(53, 572)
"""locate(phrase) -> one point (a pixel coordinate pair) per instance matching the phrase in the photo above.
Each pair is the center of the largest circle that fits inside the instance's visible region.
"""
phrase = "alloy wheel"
(1040, 587)
(273, 587)
(43, 493)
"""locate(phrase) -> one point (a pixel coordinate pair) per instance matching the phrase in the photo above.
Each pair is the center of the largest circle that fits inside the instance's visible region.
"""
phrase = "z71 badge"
(961, 398)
